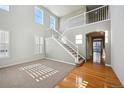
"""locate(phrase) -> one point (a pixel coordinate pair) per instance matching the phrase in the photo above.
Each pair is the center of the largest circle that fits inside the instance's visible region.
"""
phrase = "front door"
(97, 50)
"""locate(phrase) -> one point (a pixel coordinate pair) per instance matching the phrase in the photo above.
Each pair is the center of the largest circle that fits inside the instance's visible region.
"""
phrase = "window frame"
(52, 20)
(39, 43)
(5, 43)
(5, 8)
(39, 19)
(78, 39)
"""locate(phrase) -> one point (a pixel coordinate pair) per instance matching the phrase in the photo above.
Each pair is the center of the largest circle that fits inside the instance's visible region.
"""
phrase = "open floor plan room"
(61, 46)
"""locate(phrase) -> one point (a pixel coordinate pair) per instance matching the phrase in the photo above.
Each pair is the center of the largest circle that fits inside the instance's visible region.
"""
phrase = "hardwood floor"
(91, 75)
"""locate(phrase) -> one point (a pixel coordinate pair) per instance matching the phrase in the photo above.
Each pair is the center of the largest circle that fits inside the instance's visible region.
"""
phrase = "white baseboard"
(21, 62)
(60, 61)
(108, 65)
(117, 74)
(32, 59)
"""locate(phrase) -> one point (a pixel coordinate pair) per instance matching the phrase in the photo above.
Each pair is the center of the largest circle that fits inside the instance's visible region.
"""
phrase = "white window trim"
(78, 39)
(42, 18)
(5, 7)
(52, 17)
(106, 36)
(39, 45)
(7, 44)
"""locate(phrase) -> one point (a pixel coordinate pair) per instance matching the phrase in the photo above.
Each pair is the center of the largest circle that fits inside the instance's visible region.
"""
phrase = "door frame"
(89, 40)
(102, 43)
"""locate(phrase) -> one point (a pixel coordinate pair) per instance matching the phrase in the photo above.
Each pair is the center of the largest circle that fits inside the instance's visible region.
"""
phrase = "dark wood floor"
(91, 75)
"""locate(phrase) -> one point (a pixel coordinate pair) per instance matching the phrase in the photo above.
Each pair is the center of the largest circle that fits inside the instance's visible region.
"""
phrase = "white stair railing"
(58, 36)
(98, 14)
(64, 40)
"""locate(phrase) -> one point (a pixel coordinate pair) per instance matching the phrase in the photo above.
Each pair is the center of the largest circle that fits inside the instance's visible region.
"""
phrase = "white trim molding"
(59, 61)
(108, 65)
(21, 61)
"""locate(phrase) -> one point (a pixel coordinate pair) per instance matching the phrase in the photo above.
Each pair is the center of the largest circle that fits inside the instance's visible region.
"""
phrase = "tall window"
(52, 22)
(38, 15)
(78, 39)
(4, 44)
(4, 7)
(106, 36)
(38, 45)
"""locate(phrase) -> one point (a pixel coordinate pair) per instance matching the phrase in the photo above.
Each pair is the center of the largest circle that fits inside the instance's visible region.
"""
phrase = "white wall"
(19, 21)
(64, 18)
(55, 51)
(117, 44)
(103, 26)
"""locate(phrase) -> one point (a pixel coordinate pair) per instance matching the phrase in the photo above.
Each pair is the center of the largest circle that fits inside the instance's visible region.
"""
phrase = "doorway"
(95, 45)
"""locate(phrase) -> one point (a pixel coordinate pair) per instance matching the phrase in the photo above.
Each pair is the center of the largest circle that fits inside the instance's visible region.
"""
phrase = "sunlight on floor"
(38, 72)
(80, 83)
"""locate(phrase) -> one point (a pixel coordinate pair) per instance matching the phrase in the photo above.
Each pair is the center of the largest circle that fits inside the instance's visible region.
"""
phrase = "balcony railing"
(95, 15)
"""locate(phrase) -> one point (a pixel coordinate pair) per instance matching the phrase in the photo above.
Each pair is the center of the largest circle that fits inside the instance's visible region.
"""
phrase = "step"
(81, 59)
(71, 50)
(81, 62)
(76, 55)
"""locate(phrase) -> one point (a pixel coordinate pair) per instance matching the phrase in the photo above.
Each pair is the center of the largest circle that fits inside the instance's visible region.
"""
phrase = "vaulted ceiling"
(62, 10)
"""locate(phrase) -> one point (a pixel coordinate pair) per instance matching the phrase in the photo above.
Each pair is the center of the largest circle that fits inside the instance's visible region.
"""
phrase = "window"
(38, 44)
(78, 39)
(4, 7)
(52, 23)
(4, 44)
(106, 36)
(38, 15)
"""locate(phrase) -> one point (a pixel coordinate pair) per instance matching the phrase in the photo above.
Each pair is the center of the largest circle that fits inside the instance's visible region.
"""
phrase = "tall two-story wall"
(117, 44)
(20, 24)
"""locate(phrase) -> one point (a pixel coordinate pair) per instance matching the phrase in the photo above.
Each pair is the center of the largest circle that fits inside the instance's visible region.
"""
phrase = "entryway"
(95, 46)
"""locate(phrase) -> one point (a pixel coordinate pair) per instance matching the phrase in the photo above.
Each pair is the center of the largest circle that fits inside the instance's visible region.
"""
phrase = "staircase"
(86, 18)
(69, 46)
(81, 60)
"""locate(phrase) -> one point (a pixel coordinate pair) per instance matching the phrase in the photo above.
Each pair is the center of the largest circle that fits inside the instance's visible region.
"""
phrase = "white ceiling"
(62, 10)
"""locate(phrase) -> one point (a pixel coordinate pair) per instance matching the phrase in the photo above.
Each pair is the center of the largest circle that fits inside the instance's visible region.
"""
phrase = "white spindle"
(85, 18)
(106, 12)
(102, 14)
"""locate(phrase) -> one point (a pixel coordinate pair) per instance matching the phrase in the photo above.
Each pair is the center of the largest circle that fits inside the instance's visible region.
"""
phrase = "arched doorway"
(95, 47)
